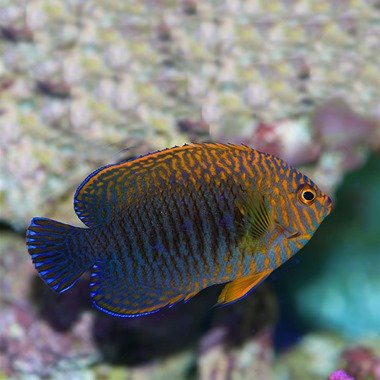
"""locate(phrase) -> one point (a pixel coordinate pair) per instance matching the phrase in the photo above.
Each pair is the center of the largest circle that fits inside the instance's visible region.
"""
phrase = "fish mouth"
(294, 235)
(329, 205)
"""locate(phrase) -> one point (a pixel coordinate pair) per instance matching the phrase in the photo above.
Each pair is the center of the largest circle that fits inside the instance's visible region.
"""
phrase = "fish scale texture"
(168, 224)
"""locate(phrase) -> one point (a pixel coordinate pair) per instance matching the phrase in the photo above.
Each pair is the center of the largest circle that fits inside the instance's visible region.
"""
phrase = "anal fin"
(241, 287)
(115, 294)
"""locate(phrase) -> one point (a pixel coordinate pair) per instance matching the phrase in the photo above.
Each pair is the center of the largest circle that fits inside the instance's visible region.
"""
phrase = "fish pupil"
(308, 195)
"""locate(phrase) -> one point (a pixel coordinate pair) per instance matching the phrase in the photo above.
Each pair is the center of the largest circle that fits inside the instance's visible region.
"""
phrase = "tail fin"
(57, 251)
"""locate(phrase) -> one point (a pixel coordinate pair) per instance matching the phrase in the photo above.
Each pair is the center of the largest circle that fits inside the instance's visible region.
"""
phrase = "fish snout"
(328, 204)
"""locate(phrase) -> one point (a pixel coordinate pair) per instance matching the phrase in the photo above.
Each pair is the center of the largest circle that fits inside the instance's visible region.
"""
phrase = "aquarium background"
(84, 84)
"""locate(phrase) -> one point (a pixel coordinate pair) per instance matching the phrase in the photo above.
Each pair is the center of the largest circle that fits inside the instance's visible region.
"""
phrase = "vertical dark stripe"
(117, 257)
(172, 201)
(210, 218)
(197, 224)
(147, 225)
(186, 216)
(159, 237)
(140, 254)
(220, 196)
(166, 228)
(145, 230)
(198, 232)
(128, 256)
(167, 237)
(201, 190)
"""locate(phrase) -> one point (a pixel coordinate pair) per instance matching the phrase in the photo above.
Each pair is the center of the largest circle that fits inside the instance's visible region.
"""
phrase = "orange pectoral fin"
(240, 287)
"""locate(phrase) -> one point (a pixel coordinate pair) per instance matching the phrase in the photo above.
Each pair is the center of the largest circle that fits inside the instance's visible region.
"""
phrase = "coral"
(192, 340)
(340, 375)
(317, 355)
(326, 145)
(314, 356)
(239, 342)
(361, 363)
(29, 345)
(48, 335)
(75, 78)
(250, 360)
(344, 133)
(82, 81)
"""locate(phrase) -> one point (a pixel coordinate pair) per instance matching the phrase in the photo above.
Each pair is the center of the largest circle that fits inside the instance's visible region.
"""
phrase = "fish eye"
(307, 195)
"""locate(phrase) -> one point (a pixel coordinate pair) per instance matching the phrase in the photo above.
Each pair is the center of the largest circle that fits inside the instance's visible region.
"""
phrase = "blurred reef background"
(87, 83)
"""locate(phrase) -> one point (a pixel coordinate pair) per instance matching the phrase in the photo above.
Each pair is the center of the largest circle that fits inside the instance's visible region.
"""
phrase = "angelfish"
(164, 226)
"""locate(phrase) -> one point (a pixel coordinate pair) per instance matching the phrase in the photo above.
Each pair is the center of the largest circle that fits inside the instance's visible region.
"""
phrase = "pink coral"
(291, 140)
(362, 363)
(340, 375)
(342, 130)
(30, 345)
(339, 125)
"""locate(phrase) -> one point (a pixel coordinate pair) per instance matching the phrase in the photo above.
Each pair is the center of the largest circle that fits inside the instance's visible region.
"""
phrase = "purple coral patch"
(340, 375)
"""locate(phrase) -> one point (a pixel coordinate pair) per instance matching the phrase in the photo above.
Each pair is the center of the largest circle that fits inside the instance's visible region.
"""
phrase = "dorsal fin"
(103, 192)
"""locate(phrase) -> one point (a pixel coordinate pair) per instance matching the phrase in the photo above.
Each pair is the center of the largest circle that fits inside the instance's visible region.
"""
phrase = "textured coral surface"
(84, 84)
(78, 77)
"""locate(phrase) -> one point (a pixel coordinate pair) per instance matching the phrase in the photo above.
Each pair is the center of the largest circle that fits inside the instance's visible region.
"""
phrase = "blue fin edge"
(46, 241)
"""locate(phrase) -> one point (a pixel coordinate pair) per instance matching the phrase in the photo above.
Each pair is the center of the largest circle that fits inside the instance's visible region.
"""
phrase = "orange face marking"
(296, 221)
(266, 262)
(307, 217)
(277, 252)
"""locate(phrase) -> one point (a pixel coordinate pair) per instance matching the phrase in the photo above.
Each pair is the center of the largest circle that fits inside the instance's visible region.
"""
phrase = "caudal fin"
(58, 252)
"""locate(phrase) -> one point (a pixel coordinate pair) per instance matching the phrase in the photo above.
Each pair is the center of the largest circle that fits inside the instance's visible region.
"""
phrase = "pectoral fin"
(241, 287)
(255, 219)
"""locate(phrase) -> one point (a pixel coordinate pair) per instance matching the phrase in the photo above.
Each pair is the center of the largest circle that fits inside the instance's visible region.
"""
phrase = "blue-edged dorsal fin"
(110, 188)
(95, 196)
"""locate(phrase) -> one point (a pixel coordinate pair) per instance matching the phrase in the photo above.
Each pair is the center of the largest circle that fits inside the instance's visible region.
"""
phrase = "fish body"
(164, 226)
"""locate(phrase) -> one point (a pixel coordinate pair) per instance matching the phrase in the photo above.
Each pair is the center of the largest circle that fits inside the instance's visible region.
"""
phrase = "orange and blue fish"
(164, 226)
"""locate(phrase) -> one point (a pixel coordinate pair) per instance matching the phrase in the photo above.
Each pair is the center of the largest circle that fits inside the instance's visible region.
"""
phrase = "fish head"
(299, 207)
